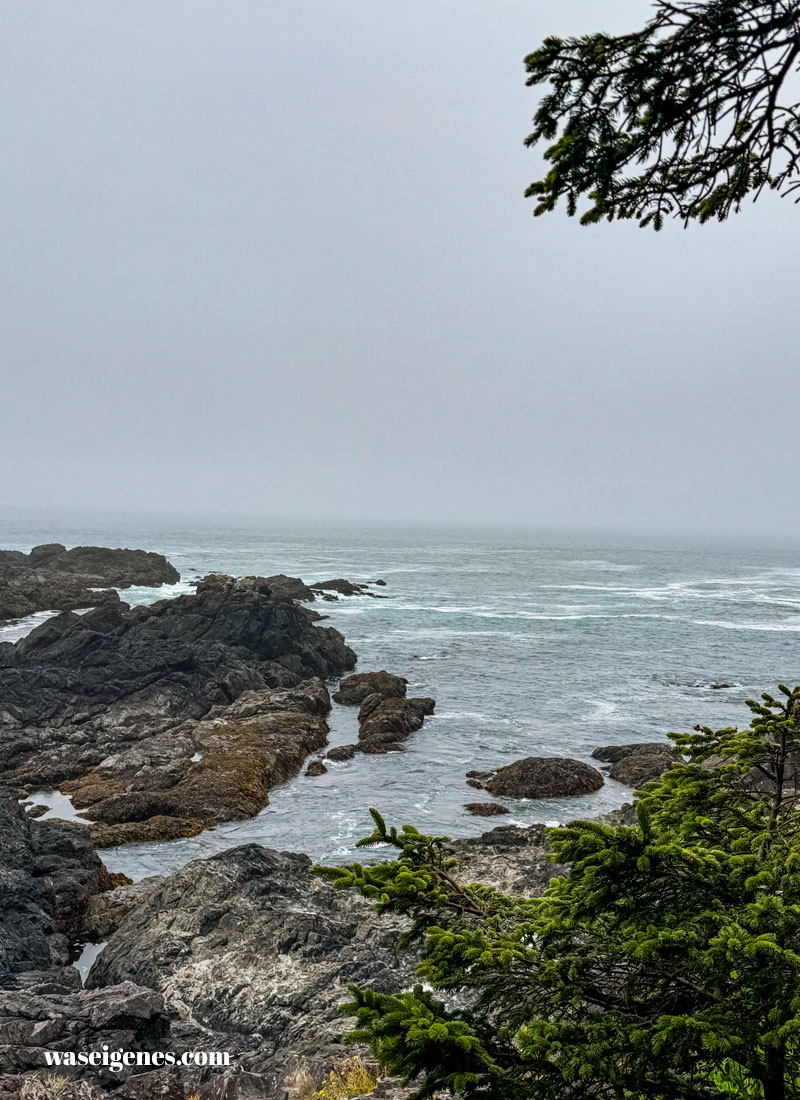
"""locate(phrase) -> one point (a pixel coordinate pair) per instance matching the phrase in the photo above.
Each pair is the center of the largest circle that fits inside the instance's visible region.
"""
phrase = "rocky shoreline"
(245, 951)
(161, 721)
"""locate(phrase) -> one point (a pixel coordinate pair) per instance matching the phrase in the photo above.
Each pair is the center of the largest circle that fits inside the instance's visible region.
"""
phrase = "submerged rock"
(485, 809)
(341, 752)
(540, 777)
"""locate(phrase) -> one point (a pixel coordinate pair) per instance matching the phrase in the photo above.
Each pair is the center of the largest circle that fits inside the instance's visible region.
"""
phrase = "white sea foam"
(792, 627)
(12, 632)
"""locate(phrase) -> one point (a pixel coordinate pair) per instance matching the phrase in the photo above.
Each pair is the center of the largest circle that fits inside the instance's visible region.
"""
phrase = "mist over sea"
(531, 644)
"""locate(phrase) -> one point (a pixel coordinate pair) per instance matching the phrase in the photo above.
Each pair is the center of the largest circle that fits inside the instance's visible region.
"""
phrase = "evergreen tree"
(684, 117)
(665, 964)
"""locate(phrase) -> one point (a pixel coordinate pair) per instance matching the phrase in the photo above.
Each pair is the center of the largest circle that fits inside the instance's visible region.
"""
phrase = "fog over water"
(274, 259)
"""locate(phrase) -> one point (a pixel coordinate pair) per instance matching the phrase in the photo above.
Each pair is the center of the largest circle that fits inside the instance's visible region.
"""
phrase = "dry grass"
(349, 1078)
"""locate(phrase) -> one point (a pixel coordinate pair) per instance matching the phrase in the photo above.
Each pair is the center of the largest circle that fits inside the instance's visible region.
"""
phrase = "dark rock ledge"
(52, 578)
(162, 720)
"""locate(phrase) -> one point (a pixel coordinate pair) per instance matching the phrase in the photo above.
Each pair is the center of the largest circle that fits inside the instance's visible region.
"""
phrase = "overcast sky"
(273, 257)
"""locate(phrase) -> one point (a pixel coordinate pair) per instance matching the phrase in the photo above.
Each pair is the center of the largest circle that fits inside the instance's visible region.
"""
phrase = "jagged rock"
(123, 702)
(316, 767)
(390, 721)
(485, 809)
(353, 690)
(541, 777)
(343, 587)
(637, 764)
(258, 952)
(123, 1016)
(514, 860)
(48, 873)
(230, 761)
(116, 568)
(105, 912)
(290, 588)
(54, 578)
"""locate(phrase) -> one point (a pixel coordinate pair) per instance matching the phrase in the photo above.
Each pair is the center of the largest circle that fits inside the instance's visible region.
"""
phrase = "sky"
(272, 257)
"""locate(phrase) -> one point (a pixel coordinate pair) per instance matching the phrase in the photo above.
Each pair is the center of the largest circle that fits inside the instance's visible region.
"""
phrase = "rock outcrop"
(386, 717)
(259, 954)
(48, 873)
(539, 777)
(635, 765)
(384, 723)
(244, 952)
(52, 578)
(353, 690)
(296, 589)
(124, 1017)
(170, 717)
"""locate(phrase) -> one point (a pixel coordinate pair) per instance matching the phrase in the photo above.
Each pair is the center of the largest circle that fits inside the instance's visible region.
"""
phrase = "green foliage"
(666, 964)
(685, 117)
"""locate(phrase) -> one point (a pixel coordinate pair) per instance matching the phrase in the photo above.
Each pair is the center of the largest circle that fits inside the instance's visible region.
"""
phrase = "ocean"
(531, 643)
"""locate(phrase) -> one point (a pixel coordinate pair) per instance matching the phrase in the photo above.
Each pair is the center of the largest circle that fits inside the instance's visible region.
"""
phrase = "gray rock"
(341, 752)
(125, 1016)
(258, 952)
(48, 873)
(388, 721)
(54, 578)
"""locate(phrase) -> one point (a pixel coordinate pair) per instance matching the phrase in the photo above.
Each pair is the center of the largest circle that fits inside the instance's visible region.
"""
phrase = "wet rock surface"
(187, 711)
(353, 690)
(637, 764)
(486, 809)
(539, 777)
(384, 723)
(52, 578)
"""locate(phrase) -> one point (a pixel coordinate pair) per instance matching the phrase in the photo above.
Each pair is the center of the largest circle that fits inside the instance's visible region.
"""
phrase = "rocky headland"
(164, 719)
(52, 578)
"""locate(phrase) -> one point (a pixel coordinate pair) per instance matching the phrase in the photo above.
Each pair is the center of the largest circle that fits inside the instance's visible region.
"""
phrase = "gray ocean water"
(531, 644)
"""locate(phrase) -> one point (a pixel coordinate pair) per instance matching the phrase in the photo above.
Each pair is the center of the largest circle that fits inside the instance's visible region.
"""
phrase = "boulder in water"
(542, 777)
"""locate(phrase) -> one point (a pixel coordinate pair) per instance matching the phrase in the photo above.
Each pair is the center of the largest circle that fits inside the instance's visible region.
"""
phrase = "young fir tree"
(666, 964)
